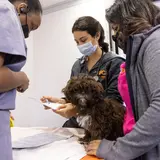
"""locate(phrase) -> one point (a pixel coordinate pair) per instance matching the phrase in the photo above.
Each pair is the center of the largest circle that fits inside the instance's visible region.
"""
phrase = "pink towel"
(129, 120)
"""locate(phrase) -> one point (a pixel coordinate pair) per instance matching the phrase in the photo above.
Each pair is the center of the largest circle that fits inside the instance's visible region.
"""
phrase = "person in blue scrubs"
(18, 18)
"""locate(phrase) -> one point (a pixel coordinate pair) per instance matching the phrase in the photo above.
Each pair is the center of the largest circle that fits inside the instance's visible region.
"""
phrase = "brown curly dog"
(101, 118)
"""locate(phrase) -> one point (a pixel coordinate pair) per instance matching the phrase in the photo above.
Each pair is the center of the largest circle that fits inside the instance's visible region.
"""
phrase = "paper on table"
(68, 149)
(37, 140)
(18, 132)
(64, 132)
(34, 138)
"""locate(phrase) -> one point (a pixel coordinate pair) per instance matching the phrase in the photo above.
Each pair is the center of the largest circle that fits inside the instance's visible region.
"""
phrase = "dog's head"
(84, 92)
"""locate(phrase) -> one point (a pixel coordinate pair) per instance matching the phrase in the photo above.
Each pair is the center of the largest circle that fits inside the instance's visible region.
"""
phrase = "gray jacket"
(143, 76)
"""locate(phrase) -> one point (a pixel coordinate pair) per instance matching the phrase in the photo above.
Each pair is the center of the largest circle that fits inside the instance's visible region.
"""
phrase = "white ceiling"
(46, 3)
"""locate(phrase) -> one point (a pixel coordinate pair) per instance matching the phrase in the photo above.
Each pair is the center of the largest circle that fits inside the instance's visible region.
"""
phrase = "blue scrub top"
(12, 44)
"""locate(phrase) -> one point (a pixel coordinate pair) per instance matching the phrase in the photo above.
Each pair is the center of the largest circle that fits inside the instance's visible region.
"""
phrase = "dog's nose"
(82, 101)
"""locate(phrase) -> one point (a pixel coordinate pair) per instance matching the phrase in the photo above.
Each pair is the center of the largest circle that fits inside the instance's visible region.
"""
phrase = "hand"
(92, 147)
(11, 116)
(52, 99)
(25, 83)
(23, 88)
(67, 110)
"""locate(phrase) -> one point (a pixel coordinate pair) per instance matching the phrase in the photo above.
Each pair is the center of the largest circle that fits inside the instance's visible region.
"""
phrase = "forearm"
(144, 137)
(9, 79)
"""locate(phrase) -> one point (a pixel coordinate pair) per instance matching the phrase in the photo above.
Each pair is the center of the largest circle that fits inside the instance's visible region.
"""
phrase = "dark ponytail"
(92, 26)
(101, 41)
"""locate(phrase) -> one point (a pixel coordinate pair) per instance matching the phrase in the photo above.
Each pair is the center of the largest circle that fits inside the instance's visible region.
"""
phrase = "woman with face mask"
(96, 61)
(18, 18)
(138, 21)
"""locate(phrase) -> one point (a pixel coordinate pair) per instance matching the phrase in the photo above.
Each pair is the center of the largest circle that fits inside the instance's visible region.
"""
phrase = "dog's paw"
(84, 140)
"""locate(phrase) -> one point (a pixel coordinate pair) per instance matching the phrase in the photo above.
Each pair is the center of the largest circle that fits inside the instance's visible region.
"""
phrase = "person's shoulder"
(112, 57)
(78, 62)
(150, 48)
(76, 68)
(77, 65)
(152, 39)
(6, 8)
(8, 16)
(11, 34)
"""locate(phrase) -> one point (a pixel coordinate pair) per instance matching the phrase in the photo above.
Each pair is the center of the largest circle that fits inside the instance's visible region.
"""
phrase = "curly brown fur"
(101, 118)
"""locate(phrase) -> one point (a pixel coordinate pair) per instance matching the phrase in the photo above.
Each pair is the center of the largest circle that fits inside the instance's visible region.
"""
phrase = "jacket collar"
(134, 44)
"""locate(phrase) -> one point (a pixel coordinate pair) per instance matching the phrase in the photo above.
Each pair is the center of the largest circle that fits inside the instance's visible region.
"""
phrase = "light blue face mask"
(87, 49)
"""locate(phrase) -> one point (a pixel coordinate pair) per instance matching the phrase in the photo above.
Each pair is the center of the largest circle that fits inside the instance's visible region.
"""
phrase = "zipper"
(128, 63)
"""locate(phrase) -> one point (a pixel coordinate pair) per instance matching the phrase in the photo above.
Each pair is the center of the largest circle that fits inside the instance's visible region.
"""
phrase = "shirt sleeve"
(11, 35)
(146, 133)
(75, 69)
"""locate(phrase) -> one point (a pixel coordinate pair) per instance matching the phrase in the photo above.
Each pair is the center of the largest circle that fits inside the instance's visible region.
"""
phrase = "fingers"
(58, 111)
(64, 110)
(18, 89)
(61, 107)
(46, 108)
(12, 117)
(44, 98)
(21, 90)
(93, 142)
(91, 153)
(92, 147)
(61, 111)
(91, 150)
(49, 98)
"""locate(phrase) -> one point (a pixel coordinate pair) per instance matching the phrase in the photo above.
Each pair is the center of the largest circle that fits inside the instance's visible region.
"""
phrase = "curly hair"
(101, 118)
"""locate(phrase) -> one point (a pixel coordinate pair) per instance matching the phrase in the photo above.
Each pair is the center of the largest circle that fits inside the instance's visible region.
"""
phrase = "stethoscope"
(96, 77)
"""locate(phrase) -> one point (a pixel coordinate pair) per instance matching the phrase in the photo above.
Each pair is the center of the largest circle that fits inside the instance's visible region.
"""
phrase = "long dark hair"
(91, 26)
(133, 16)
